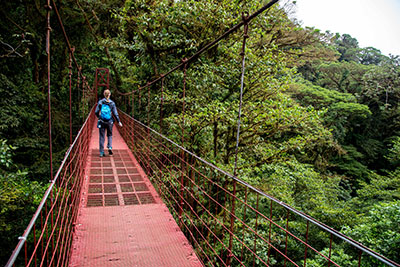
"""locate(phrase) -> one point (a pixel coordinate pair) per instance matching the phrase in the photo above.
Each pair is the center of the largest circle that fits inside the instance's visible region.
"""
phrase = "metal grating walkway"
(116, 181)
(122, 221)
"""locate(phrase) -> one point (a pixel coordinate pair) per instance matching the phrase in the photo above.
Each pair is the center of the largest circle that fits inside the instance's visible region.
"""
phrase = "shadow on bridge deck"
(122, 220)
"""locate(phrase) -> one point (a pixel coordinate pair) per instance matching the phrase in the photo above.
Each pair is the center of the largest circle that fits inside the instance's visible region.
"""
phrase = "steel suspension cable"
(148, 123)
(72, 58)
(66, 39)
(242, 53)
(161, 105)
(70, 95)
(182, 138)
(133, 113)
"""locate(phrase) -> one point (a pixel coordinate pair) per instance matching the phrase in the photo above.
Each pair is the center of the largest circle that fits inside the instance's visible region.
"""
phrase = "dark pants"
(103, 127)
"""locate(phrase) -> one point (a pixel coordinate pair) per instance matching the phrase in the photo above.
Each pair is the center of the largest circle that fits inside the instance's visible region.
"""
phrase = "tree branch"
(11, 50)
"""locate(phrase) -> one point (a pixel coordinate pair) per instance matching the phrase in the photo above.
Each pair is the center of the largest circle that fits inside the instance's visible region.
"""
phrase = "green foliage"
(5, 154)
(370, 56)
(18, 200)
(350, 164)
(23, 83)
(342, 112)
(379, 229)
(394, 152)
(339, 257)
(379, 187)
(347, 46)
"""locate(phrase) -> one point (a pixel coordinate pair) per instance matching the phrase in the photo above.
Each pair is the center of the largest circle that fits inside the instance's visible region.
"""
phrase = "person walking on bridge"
(105, 110)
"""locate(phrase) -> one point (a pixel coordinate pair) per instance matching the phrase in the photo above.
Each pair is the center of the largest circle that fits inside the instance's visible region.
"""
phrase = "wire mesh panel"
(231, 223)
(48, 237)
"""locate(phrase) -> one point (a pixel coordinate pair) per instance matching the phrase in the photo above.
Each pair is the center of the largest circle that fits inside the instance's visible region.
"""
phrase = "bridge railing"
(231, 223)
(47, 239)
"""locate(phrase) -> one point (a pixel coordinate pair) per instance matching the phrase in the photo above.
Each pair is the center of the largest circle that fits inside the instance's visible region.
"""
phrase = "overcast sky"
(373, 23)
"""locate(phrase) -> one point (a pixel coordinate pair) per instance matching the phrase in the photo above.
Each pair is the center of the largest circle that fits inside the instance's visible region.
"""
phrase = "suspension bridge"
(155, 203)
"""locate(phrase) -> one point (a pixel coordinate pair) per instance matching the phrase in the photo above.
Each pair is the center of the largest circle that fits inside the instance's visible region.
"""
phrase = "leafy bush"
(18, 200)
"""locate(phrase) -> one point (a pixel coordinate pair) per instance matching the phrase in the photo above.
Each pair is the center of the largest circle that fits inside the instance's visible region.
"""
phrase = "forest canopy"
(321, 115)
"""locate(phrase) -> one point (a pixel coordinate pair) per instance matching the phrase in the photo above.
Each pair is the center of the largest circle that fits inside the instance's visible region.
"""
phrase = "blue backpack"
(105, 112)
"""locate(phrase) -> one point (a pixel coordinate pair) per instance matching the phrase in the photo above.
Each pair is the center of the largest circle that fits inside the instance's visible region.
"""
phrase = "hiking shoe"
(110, 151)
(102, 154)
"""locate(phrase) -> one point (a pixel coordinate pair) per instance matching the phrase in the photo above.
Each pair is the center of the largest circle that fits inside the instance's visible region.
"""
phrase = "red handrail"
(53, 221)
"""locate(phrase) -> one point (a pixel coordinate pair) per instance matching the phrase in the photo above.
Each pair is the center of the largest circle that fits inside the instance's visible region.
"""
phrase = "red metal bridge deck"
(122, 220)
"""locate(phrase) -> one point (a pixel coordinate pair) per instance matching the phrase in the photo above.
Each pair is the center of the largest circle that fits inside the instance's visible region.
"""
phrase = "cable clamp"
(22, 238)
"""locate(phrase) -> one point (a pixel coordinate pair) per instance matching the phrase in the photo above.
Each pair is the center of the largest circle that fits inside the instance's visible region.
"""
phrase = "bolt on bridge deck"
(122, 220)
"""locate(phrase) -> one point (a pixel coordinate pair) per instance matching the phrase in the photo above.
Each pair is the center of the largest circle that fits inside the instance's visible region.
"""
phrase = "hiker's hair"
(107, 93)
